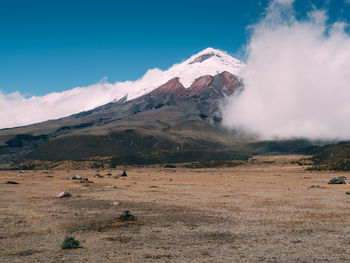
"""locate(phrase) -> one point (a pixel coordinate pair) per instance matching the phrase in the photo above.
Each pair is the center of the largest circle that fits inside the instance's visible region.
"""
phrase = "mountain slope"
(17, 110)
(170, 118)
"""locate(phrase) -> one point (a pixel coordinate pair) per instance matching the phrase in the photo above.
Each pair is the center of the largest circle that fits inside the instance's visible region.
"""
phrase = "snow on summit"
(207, 62)
(17, 110)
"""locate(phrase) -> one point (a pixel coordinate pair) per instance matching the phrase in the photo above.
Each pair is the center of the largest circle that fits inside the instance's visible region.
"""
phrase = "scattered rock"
(115, 203)
(76, 177)
(21, 221)
(48, 176)
(64, 194)
(98, 176)
(277, 174)
(126, 216)
(317, 186)
(22, 171)
(338, 180)
(111, 187)
(348, 193)
(123, 174)
(170, 179)
(11, 182)
(85, 180)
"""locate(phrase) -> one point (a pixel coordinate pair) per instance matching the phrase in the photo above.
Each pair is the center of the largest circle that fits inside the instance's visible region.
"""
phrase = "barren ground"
(260, 212)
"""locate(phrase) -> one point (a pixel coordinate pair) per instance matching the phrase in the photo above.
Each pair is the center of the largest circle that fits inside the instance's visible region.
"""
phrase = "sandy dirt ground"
(270, 210)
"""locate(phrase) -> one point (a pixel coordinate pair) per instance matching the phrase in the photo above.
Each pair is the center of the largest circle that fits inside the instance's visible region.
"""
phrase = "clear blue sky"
(48, 46)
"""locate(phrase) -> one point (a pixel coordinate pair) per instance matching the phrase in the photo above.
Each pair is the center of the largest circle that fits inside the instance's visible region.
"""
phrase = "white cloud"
(16, 110)
(297, 78)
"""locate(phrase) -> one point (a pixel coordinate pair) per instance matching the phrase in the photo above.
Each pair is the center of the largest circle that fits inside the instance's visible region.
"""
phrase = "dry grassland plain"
(270, 210)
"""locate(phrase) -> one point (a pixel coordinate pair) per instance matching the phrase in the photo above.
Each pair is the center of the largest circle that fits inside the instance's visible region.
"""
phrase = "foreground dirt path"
(262, 212)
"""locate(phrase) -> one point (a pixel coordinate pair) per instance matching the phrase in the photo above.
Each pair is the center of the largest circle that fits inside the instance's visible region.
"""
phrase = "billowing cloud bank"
(297, 78)
(17, 110)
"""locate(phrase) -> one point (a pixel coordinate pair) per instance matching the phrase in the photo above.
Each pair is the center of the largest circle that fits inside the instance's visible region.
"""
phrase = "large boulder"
(64, 194)
(338, 180)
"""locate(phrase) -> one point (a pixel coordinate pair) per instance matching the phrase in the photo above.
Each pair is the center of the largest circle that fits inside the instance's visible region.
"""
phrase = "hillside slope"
(171, 119)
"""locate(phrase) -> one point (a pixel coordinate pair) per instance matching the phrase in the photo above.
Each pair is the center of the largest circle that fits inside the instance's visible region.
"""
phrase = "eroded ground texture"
(270, 210)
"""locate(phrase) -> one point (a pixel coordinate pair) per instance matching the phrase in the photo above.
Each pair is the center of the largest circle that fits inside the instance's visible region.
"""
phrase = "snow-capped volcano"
(207, 62)
(17, 110)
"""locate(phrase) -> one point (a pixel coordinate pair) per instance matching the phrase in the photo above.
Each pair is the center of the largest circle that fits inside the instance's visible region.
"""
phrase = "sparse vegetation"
(213, 164)
(334, 157)
(185, 156)
(70, 243)
(204, 210)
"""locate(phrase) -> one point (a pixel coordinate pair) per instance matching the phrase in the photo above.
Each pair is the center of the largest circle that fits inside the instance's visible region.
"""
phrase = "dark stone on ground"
(11, 182)
(317, 186)
(126, 216)
(338, 180)
(85, 180)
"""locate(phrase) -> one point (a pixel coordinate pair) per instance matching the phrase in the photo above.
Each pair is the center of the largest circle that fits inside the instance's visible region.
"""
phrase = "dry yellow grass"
(261, 212)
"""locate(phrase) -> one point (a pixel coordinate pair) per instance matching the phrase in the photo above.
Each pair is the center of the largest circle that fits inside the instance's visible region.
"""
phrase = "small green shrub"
(69, 243)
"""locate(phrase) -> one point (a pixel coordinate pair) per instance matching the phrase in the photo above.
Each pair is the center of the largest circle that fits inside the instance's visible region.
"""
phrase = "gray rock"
(85, 180)
(76, 177)
(338, 180)
(11, 182)
(317, 186)
(64, 194)
(126, 216)
(123, 174)
(98, 176)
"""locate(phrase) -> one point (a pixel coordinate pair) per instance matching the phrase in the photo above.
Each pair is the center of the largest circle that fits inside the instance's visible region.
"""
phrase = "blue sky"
(48, 46)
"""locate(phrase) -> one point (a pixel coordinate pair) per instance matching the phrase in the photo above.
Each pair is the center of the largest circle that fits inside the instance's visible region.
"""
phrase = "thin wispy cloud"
(297, 79)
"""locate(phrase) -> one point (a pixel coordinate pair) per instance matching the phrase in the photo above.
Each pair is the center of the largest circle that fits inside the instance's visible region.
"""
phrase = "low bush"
(70, 242)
